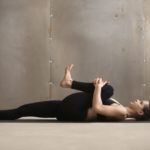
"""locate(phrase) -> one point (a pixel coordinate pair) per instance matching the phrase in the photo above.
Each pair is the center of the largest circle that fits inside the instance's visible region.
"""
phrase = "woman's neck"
(130, 113)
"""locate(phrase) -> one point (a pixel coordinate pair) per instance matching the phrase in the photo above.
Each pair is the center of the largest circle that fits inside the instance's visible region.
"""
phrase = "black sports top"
(75, 106)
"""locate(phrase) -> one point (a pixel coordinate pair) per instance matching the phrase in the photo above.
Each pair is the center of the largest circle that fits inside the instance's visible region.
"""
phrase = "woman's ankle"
(66, 83)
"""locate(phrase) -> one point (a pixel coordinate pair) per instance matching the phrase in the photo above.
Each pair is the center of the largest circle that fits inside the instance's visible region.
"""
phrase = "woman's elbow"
(96, 108)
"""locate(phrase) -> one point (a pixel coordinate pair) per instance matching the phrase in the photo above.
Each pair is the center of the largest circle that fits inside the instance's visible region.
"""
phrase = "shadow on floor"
(56, 121)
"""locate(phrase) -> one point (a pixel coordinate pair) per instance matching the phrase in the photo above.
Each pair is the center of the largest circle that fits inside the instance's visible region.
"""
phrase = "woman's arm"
(98, 83)
(118, 112)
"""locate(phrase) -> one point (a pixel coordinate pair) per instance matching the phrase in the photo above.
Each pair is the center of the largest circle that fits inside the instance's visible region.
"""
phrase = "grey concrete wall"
(24, 51)
(146, 6)
(101, 37)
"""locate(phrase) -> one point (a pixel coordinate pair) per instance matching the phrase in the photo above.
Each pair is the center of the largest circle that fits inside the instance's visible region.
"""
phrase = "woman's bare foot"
(66, 82)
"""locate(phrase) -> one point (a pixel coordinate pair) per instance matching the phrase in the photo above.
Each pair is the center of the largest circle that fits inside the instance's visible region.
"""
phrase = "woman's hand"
(99, 82)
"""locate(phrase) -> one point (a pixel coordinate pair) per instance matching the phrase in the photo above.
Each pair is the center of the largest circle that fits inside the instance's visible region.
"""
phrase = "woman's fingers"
(105, 82)
(97, 80)
(100, 81)
(108, 82)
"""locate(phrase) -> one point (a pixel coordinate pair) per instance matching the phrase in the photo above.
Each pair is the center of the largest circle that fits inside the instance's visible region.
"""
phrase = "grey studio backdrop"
(108, 38)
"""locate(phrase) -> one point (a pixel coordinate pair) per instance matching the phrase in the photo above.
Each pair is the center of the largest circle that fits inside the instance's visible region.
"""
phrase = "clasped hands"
(99, 82)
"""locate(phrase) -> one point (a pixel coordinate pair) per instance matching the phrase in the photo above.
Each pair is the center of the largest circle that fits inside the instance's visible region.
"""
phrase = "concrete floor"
(52, 135)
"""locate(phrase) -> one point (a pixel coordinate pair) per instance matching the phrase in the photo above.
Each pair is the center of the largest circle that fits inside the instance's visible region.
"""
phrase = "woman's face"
(138, 105)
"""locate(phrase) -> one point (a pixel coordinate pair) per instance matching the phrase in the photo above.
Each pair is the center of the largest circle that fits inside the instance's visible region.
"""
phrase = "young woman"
(94, 103)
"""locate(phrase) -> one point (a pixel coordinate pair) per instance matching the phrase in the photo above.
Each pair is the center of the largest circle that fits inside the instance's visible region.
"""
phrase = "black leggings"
(47, 109)
(38, 109)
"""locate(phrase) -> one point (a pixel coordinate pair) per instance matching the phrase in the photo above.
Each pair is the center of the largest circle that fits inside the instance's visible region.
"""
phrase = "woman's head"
(107, 91)
(141, 109)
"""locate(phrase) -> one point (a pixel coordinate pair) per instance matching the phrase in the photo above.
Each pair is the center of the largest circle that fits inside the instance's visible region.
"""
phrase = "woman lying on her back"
(94, 103)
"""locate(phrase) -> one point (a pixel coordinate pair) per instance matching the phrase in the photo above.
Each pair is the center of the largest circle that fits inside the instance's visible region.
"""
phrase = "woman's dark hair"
(107, 91)
(146, 115)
